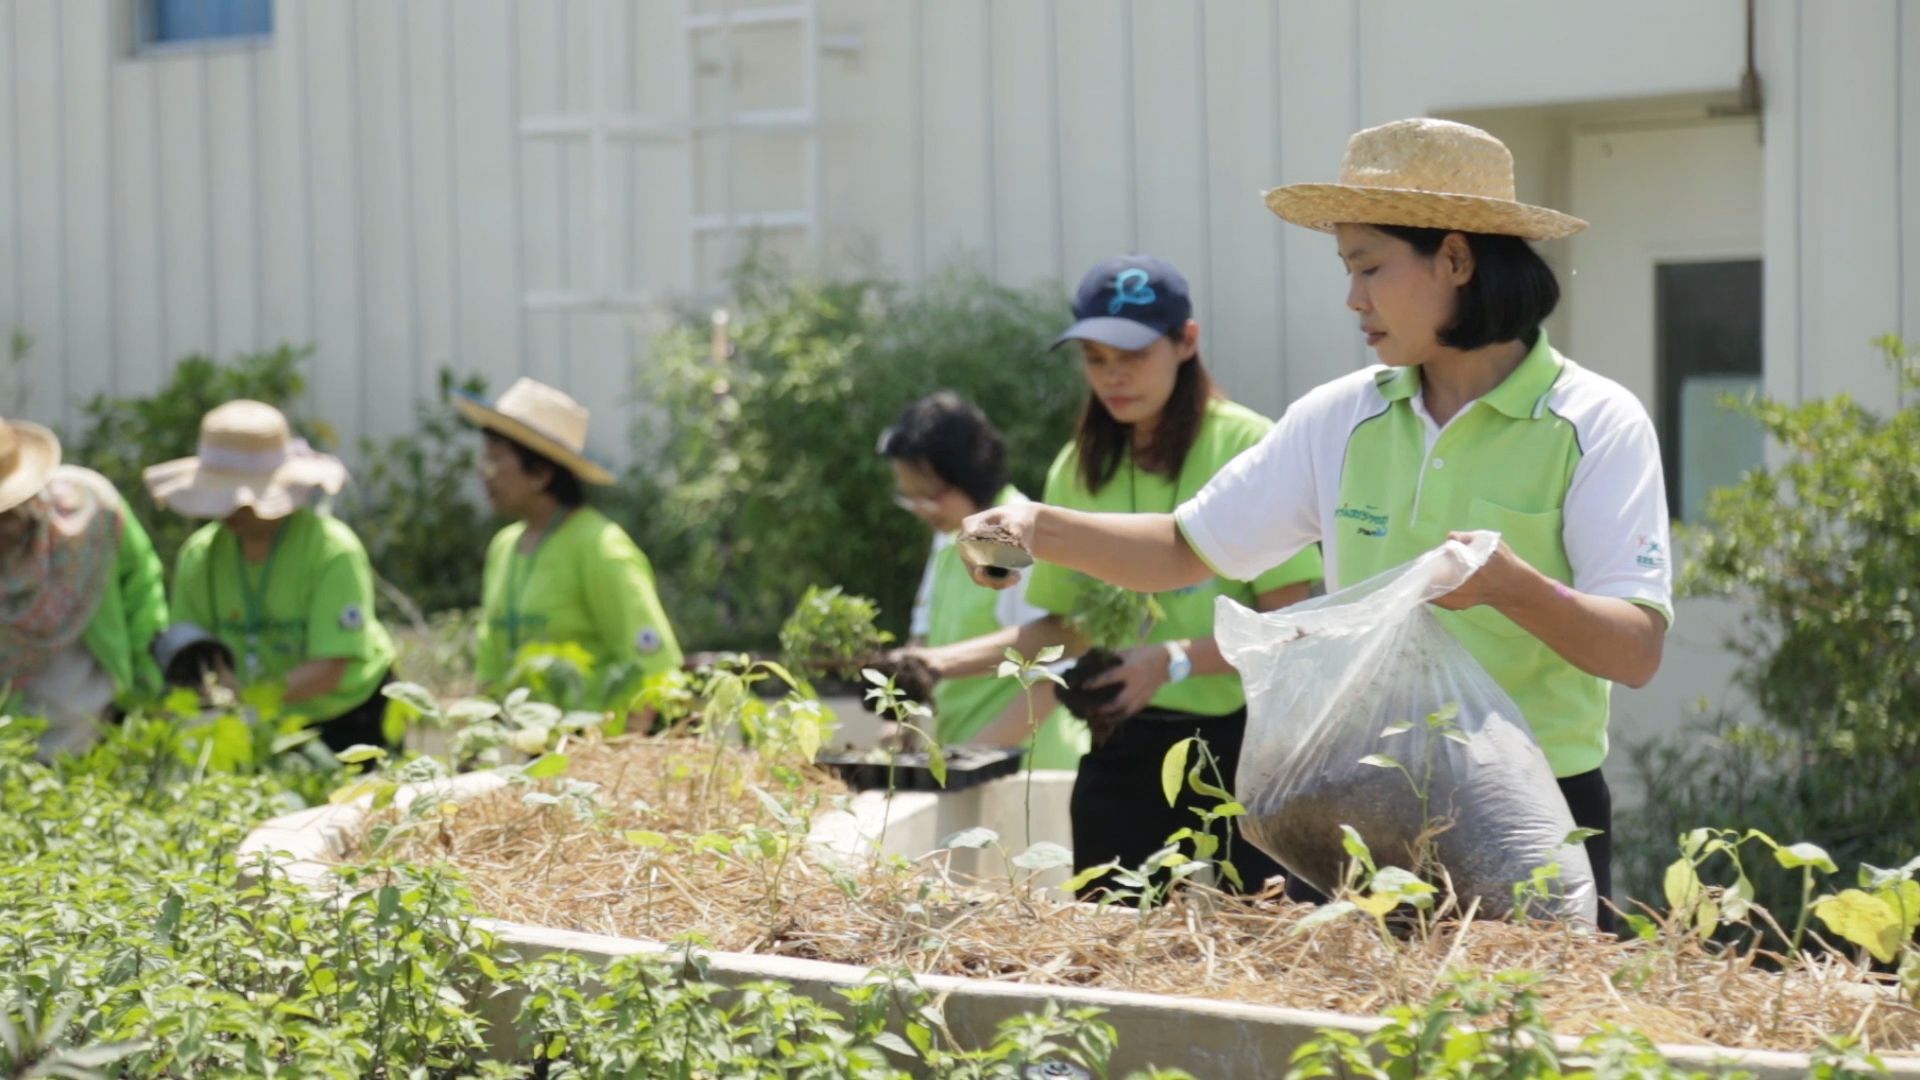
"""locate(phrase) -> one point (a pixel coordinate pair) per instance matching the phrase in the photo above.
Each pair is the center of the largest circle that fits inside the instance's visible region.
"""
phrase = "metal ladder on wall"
(606, 124)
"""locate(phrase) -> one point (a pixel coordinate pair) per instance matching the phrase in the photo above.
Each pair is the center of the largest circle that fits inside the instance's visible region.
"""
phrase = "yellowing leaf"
(1085, 877)
(1864, 919)
(1904, 900)
(1172, 768)
(1376, 904)
(1682, 885)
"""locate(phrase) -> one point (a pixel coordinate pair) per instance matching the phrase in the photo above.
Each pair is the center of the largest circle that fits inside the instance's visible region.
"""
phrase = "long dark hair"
(1102, 443)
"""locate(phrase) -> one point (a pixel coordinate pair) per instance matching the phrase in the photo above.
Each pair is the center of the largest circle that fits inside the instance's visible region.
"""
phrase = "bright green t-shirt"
(587, 584)
(311, 599)
(1228, 430)
(959, 610)
(132, 612)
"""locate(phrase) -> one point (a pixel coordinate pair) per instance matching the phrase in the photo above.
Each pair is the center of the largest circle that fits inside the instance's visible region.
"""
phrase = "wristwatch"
(1179, 664)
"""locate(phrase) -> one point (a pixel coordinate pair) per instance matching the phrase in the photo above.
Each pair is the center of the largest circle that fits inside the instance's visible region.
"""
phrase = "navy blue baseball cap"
(1128, 302)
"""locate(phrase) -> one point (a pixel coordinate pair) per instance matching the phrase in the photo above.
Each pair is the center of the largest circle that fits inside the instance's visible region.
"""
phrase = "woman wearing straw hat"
(288, 590)
(1154, 429)
(81, 591)
(1472, 421)
(562, 573)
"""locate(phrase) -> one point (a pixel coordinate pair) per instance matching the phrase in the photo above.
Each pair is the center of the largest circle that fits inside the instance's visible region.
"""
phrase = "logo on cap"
(1130, 287)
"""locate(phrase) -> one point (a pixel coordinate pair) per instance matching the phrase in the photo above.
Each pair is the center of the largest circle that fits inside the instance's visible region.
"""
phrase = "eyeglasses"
(917, 504)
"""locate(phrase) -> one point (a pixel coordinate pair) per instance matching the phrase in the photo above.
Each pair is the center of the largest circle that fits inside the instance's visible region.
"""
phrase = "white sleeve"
(922, 620)
(1615, 518)
(1263, 507)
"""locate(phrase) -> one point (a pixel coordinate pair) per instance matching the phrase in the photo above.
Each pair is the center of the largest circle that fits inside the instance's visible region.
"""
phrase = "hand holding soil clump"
(1112, 619)
(996, 549)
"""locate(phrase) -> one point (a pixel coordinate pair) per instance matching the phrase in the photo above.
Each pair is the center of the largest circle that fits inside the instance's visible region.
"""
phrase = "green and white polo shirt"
(312, 599)
(1562, 462)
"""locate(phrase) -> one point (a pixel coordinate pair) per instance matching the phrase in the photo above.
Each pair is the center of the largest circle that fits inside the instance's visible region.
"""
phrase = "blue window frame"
(170, 22)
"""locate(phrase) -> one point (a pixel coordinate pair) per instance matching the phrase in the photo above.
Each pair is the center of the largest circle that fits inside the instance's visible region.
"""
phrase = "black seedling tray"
(967, 766)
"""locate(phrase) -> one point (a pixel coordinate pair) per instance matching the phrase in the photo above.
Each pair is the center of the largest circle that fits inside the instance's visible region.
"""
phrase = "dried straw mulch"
(546, 865)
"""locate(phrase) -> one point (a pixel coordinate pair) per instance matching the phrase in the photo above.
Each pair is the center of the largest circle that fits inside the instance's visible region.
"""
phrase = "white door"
(1664, 297)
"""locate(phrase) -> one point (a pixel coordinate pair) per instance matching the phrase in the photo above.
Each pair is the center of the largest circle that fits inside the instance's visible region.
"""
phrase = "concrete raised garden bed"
(1216, 1040)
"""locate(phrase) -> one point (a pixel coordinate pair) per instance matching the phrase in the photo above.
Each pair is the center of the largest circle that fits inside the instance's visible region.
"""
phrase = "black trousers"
(364, 723)
(1592, 804)
(1119, 811)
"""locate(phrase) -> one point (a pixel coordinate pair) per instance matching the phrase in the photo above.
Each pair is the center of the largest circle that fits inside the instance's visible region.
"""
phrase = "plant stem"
(1033, 743)
(1806, 894)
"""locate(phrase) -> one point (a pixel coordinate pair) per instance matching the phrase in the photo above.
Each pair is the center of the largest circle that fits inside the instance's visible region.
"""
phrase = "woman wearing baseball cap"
(82, 594)
(562, 573)
(287, 589)
(1472, 421)
(1153, 431)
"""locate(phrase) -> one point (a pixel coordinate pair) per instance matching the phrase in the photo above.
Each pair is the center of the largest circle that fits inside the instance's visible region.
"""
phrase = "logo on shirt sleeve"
(1653, 555)
(352, 619)
(648, 640)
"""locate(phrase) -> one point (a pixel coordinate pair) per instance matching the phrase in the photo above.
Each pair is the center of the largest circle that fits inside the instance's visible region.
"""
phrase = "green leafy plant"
(1480, 1026)
(1110, 619)
(1113, 618)
(1823, 548)
(1030, 673)
(817, 369)
(832, 633)
(412, 504)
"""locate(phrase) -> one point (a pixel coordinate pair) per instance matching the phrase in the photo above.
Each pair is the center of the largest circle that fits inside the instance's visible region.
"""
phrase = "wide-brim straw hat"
(542, 419)
(28, 455)
(1431, 174)
(248, 458)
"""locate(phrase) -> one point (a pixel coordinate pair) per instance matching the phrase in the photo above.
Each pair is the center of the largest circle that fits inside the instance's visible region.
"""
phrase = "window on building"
(1707, 319)
(180, 22)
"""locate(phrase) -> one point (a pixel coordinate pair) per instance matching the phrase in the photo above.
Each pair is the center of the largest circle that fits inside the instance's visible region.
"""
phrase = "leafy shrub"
(412, 504)
(1113, 618)
(831, 634)
(138, 942)
(1826, 549)
(759, 479)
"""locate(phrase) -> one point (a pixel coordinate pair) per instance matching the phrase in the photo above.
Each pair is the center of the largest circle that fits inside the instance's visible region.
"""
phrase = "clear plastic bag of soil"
(1340, 690)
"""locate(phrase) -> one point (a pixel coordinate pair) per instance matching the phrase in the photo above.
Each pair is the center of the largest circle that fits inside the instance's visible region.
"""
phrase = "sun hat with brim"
(28, 455)
(542, 419)
(248, 458)
(1430, 174)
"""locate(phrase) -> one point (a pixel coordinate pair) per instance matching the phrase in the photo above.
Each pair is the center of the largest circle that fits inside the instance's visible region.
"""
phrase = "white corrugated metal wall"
(358, 182)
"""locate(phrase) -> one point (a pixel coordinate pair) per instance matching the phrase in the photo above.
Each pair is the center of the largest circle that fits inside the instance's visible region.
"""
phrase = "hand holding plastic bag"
(1364, 711)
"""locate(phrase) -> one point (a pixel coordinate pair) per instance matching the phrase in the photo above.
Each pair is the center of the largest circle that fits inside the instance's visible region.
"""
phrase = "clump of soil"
(993, 534)
(996, 546)
(1091, 705)
(912, 677)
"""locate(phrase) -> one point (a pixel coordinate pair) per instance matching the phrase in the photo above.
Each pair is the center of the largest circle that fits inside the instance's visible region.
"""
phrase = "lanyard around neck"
(519, 572)
(254, 597)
